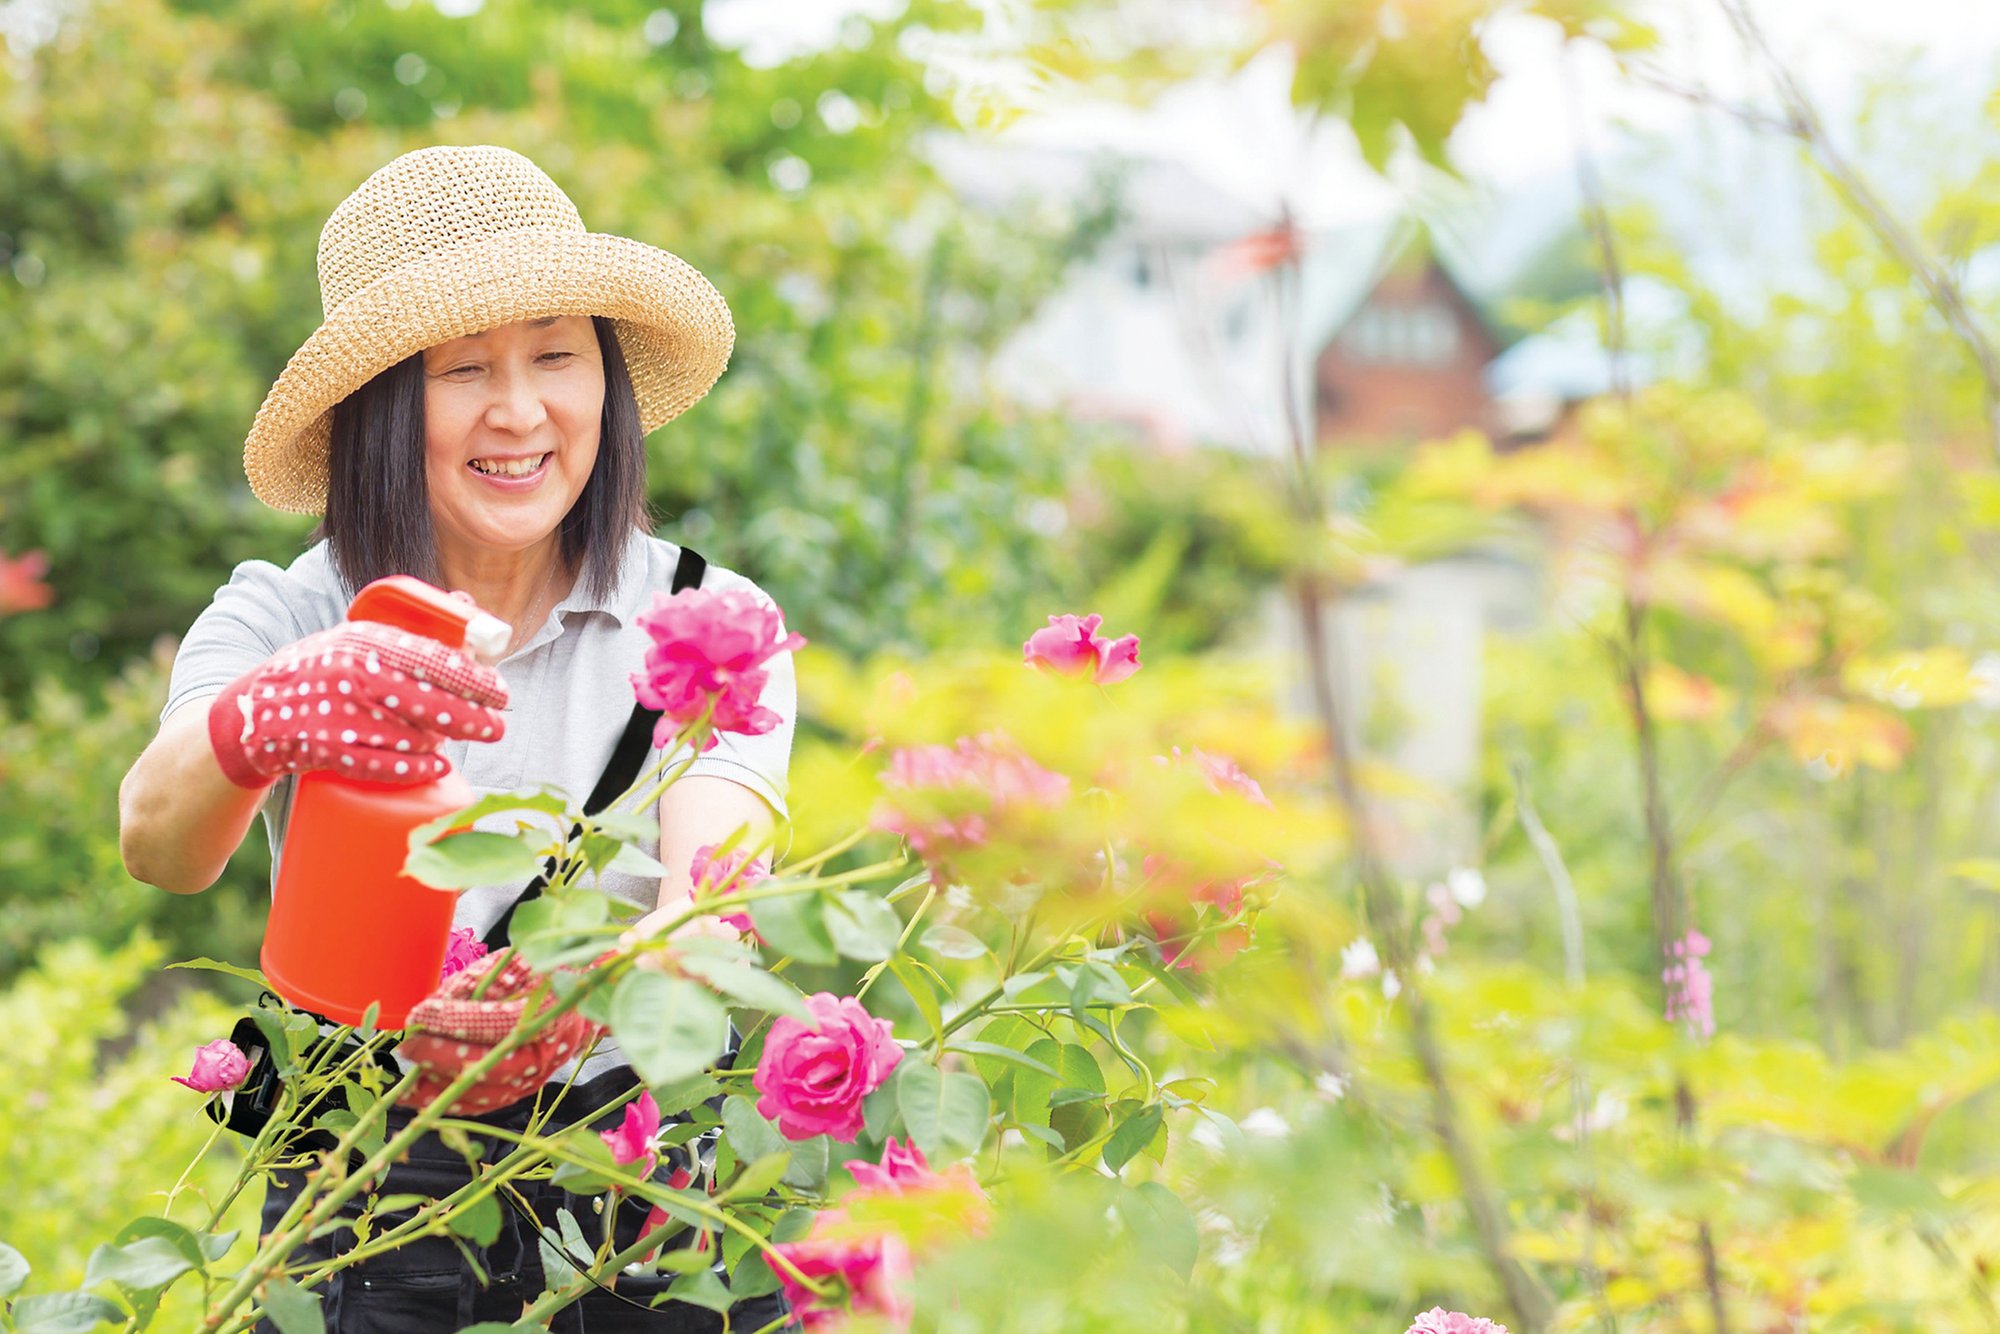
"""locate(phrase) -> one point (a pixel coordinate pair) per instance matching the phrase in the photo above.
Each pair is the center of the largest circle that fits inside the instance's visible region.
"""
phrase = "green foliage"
(62, 756)
(86, 1141)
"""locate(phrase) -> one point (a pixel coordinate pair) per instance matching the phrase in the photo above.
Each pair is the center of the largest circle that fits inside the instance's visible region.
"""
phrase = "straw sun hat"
(445, 242)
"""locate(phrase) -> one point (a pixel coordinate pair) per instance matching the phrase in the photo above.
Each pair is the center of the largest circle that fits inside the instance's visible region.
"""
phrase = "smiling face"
(511, 424)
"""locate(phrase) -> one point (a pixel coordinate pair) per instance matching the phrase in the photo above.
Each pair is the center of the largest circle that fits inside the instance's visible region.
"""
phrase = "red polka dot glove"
(363, 699)
(449, 1031)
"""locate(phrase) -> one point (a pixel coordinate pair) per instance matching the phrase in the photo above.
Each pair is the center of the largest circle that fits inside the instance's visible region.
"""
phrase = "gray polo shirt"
(569, 693)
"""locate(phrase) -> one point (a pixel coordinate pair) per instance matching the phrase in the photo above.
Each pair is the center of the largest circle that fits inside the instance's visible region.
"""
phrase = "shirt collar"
(628, 595)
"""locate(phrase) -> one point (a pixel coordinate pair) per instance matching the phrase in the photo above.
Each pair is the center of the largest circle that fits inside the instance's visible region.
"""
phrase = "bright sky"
(1244, 138)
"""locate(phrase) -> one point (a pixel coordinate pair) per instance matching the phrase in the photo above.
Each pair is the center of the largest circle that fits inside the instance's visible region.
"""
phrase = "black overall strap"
(619, 771)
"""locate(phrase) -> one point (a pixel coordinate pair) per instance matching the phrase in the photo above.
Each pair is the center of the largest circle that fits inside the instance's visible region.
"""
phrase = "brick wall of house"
(1407, 367)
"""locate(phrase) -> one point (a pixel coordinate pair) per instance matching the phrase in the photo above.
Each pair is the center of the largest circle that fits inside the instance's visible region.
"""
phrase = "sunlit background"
(1570, 426)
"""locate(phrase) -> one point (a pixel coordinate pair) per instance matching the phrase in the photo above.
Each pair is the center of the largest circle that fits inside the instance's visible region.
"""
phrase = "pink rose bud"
(633, 1139)
(1070, 647)
(813, 1078)
(218, 1066)
(902, 1165)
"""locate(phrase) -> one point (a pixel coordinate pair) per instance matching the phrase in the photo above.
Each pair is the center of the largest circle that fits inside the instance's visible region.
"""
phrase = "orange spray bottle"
(348, 929)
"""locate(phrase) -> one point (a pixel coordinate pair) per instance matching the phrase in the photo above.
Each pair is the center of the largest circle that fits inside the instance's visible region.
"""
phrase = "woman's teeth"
(509, 467)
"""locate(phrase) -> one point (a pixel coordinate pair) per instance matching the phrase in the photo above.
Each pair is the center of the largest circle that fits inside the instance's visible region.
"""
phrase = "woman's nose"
(517, 406)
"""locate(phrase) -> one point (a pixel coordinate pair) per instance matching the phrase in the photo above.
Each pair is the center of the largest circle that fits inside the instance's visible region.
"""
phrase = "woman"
(471, 411)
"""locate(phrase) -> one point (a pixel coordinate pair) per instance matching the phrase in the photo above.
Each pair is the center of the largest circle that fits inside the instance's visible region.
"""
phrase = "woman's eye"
(557, 356)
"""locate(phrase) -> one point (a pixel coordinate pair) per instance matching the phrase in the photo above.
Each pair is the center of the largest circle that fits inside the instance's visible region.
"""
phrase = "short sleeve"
(246, 623)
(761, 763)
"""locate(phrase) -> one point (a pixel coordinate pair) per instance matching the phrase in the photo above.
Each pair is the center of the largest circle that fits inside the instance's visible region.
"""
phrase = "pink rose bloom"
(708, 872)
(1437, 1320)
(874, 1269)
(1070, 647)
(461, 952)
(813, 1078)
(710, 645)
(218, 1066)
(633, 1138)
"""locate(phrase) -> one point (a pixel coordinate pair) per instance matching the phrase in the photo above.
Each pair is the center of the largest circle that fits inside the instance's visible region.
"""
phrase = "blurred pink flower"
(21, 586)
(710, 645)
(901, 1165)
(1690, 989)
(946, 798)
(1437, 1320)
(813, 1077)
(632, 1140)
(1224, 774)
(874, 1269)
(218, 1066)
(726, 875)
(463, 950)
(1069, 646)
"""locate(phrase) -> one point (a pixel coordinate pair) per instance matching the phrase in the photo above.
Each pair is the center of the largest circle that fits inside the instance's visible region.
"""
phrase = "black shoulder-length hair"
(378, 512)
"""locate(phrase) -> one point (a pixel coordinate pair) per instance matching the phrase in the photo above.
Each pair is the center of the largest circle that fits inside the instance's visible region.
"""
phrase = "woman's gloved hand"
(449, 1030)
(363, 699)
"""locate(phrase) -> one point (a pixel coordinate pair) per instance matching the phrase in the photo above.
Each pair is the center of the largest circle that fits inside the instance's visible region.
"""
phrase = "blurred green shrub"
(86, 1142)
(62, 757)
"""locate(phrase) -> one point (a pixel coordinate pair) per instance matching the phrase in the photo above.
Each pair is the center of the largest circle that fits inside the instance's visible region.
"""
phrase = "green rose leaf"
(878, 1110)
(953, 942)
(758, 1178)
(217, 966)
(1161, 1225)
(64, 1313)
(863, 926)
(668, 1027)
(292, 1309)
(627, 826)
(1097, 981)
(14, 1270)
(1032, 1087)
(1134, 1133)
(749, 1133)
(752, 1276)
(561, 928)
(479, 1220)
(1001, 1052)
(747, 984)
(808, 1168)
(143, 1264)
(546, 800)
(702, 1288)
(636, 862)
(795, 925)
(944, 1113)
(460, 861)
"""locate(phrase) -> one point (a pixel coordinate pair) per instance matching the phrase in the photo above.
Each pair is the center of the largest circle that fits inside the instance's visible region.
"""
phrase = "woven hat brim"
(673, 327)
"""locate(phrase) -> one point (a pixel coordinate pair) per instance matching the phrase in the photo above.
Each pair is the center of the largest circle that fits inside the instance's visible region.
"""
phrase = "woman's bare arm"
(179, 819)
(698, 810)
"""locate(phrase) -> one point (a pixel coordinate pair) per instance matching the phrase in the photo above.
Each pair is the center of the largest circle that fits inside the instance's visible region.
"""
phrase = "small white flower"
(1331, 1086)
(1359, 959)
(1467, 886)
(1265, 1123)
(1392, 986)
